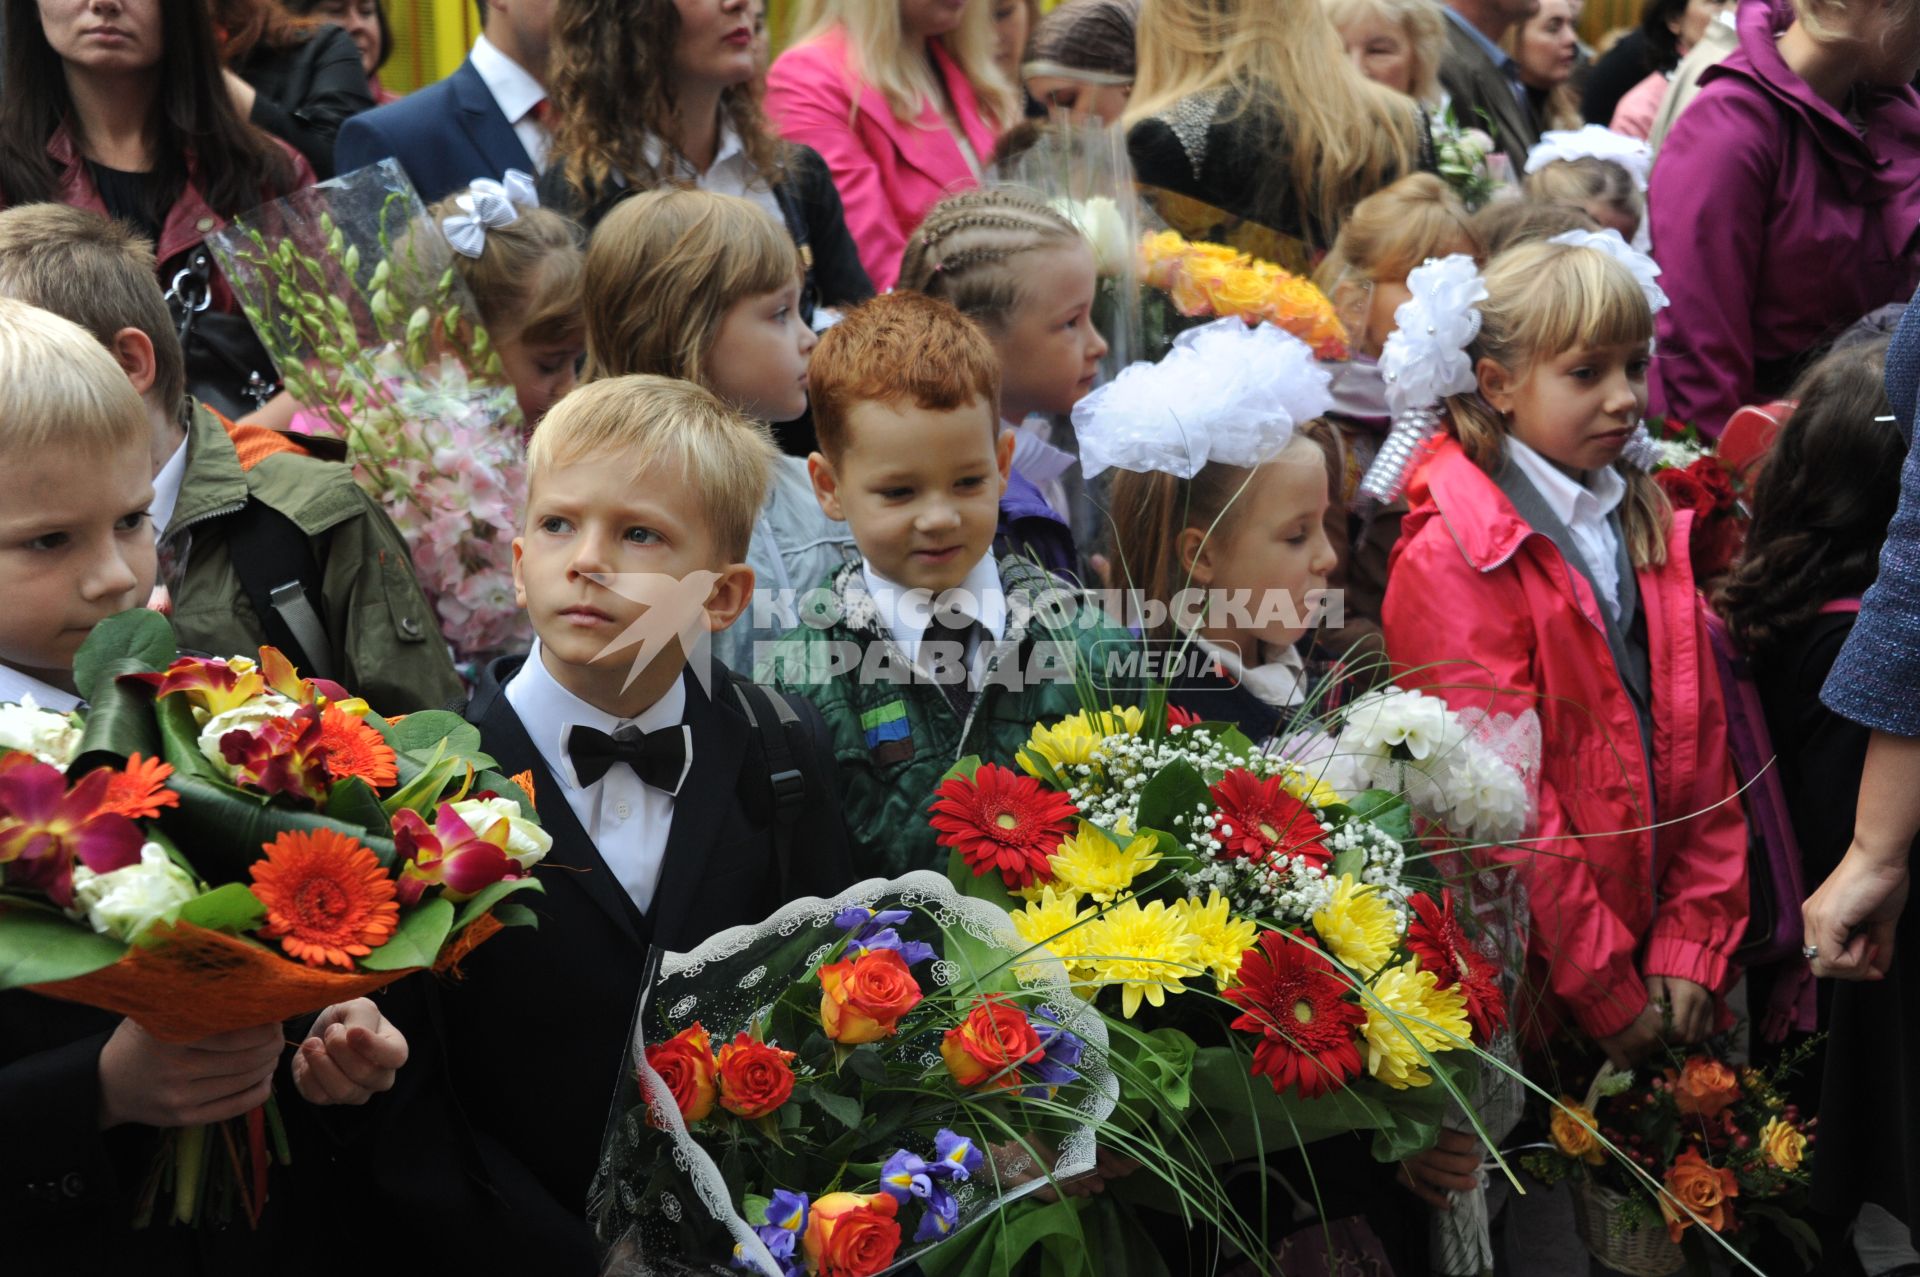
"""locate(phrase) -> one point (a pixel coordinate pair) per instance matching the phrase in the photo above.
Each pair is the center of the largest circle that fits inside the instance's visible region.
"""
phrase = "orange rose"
(1705, 1087)
(863, 998)
(1576, 1133)
(992, 1041)
(1700, 1188)
(685, 1063)
(1783, 1144)
(1160, 258)
(1188, 290)
(851, 1235)
(1237, 291)
(755, 1079)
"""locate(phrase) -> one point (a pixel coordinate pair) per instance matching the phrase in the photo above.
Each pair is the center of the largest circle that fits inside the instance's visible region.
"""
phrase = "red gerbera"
(140, 790)
(1435, 937)
(1259, 820)
(1177, 717)
(1297, 1004)
(1004, 821)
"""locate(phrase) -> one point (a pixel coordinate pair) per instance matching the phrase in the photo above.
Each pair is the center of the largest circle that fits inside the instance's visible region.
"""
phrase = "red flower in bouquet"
(139, 791)
(45, 827)
(992, 1042)
(685, 1063)
(1704, 1189)
(852, 1234)
(1258, 820)
(449, 855)
(1004, 821)
(1177, 717)
(755, 1078)
(281, 756)
(328, 900)
(1705, 1087)
(1297, 1004)
(212, 685)
(355, 749)
(863, 999)
(1435, 937)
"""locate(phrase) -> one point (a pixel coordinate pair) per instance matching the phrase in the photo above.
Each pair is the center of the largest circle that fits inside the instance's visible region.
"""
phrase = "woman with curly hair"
(651, 93)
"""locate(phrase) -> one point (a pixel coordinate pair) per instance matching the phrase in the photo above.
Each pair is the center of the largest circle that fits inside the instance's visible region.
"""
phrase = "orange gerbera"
(327, 898)
(525, 781)
(140, 790)
(354, 749)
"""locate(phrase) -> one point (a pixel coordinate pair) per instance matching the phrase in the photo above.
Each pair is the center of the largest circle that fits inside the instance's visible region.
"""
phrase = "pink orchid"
(449, 855)
(212, 685)
(44, 827)
(281, 756)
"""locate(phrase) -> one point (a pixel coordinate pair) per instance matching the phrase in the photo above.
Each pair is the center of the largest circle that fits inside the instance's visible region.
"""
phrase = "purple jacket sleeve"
(1708, 207)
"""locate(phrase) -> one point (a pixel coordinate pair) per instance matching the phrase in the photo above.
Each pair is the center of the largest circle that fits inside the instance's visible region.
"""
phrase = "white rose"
(127, 901)
(1100, 221)
(249, 717)
(527, 843)
(50, 737)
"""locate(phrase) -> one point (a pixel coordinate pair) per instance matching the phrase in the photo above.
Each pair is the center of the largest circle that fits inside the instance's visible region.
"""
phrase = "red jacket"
(1612, 900)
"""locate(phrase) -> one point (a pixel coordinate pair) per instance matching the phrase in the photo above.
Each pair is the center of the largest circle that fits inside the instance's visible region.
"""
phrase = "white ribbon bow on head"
(1646, 271)
(488, 205)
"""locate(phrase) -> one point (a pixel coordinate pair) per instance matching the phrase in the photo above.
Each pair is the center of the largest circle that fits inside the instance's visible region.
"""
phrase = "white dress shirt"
(627, 819)
(1280, 680)
(1584, 508)
(731, 173)
(15, 685)
(906, 613)
(516, 93)
(166, 490)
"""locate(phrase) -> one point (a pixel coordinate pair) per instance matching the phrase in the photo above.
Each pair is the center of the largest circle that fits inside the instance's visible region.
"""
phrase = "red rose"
(685, 1063)
(851, 1235)
(755, 1079)
(1714, 481)
(992, 1041)
(1684, 490)
(863, 998)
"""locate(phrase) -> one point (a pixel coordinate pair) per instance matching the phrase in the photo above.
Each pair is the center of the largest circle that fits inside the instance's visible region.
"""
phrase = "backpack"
(1775, 884)
(784, 795)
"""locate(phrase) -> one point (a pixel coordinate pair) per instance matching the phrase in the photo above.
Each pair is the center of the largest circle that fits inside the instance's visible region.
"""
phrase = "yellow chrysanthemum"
(1074, 738)
(1092, 864)
(1053, 922)
(1307, 788)
(1146, 951)
(1413, 1012)
(1223, 939)
(1358, 926)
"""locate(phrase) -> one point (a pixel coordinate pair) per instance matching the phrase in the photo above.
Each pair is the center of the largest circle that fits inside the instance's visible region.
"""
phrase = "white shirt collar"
(14, 685)
(1281, 680)
(166, 490)
(907, 613)
(1574, 503)
(514, 89)
(547, 710)
(729, 150)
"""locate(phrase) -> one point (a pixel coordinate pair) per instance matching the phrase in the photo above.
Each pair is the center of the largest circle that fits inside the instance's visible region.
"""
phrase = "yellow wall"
(1601, 17)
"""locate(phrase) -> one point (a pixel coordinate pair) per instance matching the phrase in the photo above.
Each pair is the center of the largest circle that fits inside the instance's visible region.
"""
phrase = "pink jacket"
(890, 173)
(1471, 582)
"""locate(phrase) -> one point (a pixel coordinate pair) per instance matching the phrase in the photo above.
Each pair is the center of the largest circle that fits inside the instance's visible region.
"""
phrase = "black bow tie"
(658, 758)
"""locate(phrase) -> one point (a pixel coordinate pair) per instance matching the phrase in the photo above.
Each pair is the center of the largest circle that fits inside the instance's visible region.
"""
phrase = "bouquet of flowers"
(1693, 476)
(1206, 281)
(844, 1087)
(1666, 1157)
(351, 288)
(220, 843)
(1461, 157)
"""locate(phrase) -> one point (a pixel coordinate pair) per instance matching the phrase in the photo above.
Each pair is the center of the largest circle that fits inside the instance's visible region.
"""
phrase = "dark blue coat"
(444, 136)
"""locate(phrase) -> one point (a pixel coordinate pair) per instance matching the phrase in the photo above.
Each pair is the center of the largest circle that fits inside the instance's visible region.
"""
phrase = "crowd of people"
(774, 320)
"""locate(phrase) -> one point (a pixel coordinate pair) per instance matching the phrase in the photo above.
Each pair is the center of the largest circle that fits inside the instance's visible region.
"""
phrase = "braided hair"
(967, 251)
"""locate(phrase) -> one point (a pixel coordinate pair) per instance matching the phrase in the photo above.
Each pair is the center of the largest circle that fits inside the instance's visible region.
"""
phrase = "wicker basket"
(1643, 1252)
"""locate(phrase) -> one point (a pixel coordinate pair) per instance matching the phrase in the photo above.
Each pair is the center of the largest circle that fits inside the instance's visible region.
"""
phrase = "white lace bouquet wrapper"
(1423, 361)
(1467, 772)
(878, 1118)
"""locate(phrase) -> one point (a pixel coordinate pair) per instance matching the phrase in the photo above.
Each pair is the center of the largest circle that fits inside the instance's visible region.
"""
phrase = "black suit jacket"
(444, 136)
(493, 1136)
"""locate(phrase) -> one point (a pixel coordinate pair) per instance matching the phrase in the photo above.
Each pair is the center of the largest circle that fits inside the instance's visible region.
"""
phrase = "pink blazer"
(890, 173)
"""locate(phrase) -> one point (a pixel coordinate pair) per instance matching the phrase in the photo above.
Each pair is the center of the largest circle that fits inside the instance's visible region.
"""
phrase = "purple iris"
(942, 1215)
(910, 951)
(860, 918)
(1063, 1051)
(906, 1176)
(786, 1220)
(955, 1157)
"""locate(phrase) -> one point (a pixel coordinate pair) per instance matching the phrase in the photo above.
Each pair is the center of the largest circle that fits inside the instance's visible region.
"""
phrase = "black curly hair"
(1822, 504)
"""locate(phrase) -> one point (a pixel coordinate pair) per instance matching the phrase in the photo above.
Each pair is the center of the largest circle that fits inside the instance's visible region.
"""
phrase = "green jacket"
(895, 734)
(382, 628)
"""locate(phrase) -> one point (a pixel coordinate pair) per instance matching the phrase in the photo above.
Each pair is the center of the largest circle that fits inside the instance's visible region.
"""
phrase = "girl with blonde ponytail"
(1537, 571)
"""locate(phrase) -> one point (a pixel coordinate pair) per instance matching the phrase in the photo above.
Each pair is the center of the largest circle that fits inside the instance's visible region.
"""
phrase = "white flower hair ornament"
(488, 205)
(1640, 451)
(1424, 360)
(1226, 392)
(1593, 142)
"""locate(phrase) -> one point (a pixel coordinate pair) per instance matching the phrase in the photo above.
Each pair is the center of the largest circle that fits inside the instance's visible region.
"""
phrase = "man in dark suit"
(1483, 80)
(485, 118)
(679, 801)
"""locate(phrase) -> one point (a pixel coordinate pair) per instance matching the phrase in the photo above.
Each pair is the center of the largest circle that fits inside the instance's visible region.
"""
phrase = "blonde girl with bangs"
(1536, 570)
(706, 288)
(1249, 125)
(904, 100)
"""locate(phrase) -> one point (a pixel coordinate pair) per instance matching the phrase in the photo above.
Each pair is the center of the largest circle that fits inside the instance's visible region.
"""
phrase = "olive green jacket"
(382, 629)
(893, 730)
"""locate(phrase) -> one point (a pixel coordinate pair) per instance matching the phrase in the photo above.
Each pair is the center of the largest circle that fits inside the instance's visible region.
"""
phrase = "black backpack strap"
(769, 714)
(281, 578)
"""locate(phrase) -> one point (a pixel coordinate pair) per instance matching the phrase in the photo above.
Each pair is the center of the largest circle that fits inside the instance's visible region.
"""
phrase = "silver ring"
(1810, 952)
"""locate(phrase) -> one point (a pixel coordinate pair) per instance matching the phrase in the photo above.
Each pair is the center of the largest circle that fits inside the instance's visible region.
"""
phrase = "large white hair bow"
(1596, 143)
(1646, 271)
(488, 205)
(1225, 393)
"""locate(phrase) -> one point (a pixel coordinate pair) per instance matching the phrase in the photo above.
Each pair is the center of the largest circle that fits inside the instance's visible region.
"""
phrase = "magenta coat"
(890, 173)
(1776, 225)
(1487, 613)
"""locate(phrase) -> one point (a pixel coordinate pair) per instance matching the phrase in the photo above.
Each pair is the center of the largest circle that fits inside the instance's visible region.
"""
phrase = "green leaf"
(180, 740)
(418, 940)
(353, 801)
(1387, 810)
(514, 915)
(230, 907)
(843, 1109)
(224, 828)
(964, 769)
(120, 721)
(507, 788)
(1176, 790)
(865, 1063)
(139, 636)
(39, 945)
(422, 734)
(488, 897)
